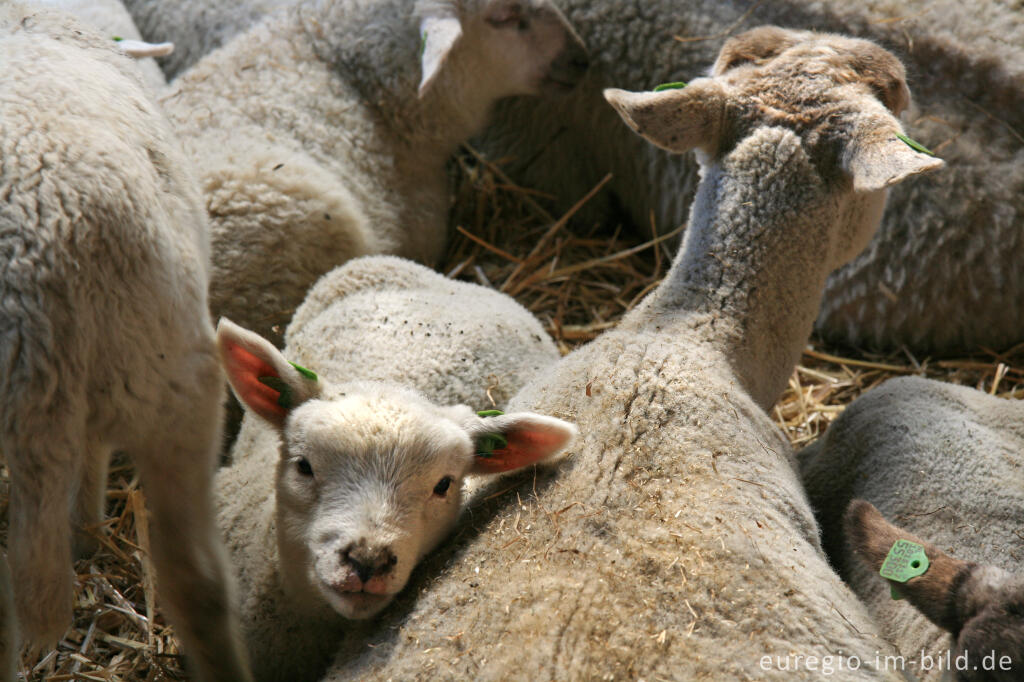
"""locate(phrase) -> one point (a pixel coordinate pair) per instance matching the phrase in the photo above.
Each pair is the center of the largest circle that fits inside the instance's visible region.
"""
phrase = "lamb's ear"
(880, 156)
(871, 537)
(676, 119)
(505, 442)
(440, 30)
(260, 376)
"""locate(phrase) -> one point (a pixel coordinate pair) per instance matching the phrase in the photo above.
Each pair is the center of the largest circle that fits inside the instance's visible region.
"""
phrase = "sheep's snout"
(569, 66)
(368, 567)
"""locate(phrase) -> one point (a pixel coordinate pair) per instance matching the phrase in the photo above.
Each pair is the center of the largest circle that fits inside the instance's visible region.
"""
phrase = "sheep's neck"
(377, 54)
(749, 277)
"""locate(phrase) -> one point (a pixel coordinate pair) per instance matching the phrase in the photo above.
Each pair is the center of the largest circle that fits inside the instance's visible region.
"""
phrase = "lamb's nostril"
(367, 563)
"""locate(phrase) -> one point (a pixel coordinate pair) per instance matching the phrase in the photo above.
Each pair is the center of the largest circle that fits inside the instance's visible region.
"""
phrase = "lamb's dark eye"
(441, 489)
(302, 464)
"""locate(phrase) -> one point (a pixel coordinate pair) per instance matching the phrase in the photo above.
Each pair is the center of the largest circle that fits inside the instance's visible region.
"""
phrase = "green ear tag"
(490, 413)
(677, 85)
(488, 443)
(423, 44)
(308, 373)
(894, 593)
(905, 560)
(278, 384)
(916, 146)
(117, 39)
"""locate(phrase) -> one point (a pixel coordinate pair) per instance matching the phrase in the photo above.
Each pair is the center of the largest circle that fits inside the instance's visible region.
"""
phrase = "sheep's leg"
(191, 564)
(8, 626)
(39, 538)
(91, 498)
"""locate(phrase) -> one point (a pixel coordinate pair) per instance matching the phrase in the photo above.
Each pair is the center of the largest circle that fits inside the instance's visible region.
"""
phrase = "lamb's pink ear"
(439, 31)
(506, 442)
(678, 119)
(879, 155)
(260, 376)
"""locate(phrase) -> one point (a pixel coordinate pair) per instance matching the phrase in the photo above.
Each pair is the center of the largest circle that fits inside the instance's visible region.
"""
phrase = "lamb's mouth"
(354, 604)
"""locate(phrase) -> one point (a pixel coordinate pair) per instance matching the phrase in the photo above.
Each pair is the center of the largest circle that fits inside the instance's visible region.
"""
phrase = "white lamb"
(676, 540)
(947, 463)
(943, 268)
(340, 487)
(105, 338)
(318, 139)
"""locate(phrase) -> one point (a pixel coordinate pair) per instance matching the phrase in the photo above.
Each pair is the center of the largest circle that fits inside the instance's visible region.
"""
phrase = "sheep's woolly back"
(111, 19)
(386, 319)
(375, 319)
(944, 462)
(942, 271)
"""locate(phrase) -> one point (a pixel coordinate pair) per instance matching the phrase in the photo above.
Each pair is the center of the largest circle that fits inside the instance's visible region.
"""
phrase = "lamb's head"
(370, 475)
(826, 104)
(501, 47)
(982, 606)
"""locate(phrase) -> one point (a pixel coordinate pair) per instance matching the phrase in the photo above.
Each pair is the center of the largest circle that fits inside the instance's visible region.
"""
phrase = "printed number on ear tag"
(905, 560)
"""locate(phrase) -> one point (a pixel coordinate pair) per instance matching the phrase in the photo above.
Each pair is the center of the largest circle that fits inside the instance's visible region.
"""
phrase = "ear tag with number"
(904, 561)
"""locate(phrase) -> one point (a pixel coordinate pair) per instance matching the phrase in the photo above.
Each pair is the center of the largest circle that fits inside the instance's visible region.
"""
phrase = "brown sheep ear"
(678, 119)
(754, 46)
(871, 537)
(879, 155)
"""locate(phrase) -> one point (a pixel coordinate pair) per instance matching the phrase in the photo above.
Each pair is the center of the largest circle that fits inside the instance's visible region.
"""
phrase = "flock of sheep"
(292, 177)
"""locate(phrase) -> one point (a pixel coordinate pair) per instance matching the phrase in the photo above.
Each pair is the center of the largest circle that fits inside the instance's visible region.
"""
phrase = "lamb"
(365, 464)
(947, 462)
(111, 20)
(675, 541)
(348, 159)
(943, 269)
(197, 27)
(105, 338)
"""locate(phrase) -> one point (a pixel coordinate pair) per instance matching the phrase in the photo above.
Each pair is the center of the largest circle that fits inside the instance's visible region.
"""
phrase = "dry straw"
(579, 282)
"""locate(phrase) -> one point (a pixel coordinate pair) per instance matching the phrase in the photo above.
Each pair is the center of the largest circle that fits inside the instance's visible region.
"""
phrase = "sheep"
(318, 140)
(943, 269)
(105, 337)
(197, 27)
(947, 462)
(111, 19)
(400, 354)
(675, 541)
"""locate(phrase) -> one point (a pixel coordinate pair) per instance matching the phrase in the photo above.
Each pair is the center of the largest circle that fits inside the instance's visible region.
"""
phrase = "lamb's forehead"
(370, 426)
(782, 61)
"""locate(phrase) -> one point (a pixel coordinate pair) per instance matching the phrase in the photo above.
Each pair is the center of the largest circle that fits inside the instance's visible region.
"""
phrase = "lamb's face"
(368, 484)
(526, 46)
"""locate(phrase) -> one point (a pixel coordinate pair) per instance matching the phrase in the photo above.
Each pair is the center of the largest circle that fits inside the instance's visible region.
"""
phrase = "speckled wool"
(942, 273)
(676, 541)
(945, 463)
(317, 143)
(105, 337)
(379, 319)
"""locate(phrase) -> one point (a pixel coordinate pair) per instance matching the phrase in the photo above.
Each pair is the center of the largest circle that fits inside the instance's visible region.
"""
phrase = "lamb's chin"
(355, 605)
